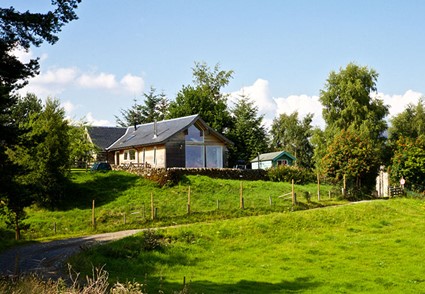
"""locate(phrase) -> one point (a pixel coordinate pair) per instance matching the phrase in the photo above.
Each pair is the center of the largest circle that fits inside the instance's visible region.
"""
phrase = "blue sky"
(281, 51)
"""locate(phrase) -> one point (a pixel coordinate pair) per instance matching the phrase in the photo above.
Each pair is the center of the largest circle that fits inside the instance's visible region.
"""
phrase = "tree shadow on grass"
(243, 286)
(102, 187)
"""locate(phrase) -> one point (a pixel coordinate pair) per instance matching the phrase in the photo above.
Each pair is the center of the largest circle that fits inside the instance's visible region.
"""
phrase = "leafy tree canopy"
(410, 123)
(205, 97)
(347, 102)
(409, 162)
(248, 132)
(351, 154)
(293, 135)
(154, 107)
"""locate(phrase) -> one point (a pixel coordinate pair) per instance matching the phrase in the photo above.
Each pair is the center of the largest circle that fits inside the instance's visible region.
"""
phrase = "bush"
(288, 173)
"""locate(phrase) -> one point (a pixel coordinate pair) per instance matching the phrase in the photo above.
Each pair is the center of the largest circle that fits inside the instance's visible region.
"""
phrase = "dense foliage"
(205, 97)
(248, 132)
(154, 107)
(409, 162)
(353, 141)
(293, 135)
(20, 31)
(285, 173)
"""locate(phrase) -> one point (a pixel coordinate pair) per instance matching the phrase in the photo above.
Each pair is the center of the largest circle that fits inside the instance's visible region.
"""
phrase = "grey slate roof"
(143, 135)
(270, 156)
(103, 137)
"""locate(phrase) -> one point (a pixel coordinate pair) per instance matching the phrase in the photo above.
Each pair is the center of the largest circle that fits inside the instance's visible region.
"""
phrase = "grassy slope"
(374, 247)
(118, 193)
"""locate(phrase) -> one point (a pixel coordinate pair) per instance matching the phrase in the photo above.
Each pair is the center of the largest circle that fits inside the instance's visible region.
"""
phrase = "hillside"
(371, 247)
(123, 201)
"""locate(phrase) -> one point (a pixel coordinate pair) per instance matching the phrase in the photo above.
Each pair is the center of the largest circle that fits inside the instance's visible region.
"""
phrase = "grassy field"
(372, 247)
(123, 201)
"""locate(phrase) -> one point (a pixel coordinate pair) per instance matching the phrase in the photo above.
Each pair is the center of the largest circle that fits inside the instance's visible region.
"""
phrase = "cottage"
(181, 142)
(272, 159)
(102, 138)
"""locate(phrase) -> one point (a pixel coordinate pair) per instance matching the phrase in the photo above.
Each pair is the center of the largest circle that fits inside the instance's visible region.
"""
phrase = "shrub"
(288, 173)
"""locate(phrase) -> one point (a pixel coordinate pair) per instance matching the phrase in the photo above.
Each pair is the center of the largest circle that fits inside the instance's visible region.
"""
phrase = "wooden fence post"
(294, 197)
(318, 187)
(344, 191)
(270, 201)
(188, 201)
(93, 220)
(241, 201)
(152, 208)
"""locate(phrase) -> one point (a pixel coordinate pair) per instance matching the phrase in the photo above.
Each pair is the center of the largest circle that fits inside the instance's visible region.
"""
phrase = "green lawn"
(374, 247)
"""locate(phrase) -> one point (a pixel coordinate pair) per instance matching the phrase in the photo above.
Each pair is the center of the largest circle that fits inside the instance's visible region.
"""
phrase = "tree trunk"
(17, 228)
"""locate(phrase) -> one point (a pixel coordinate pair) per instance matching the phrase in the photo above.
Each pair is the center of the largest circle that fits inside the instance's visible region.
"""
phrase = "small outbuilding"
(272, 159)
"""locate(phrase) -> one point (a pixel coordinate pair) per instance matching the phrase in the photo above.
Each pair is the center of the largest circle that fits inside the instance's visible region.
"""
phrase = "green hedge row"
(172, 176)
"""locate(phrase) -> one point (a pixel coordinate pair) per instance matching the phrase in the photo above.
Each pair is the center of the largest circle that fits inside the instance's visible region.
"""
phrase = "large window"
(214, 156)
(194, 134)
(195, 156)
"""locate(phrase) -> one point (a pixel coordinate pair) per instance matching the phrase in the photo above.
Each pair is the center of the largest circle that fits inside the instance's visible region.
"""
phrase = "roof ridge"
(166, 120)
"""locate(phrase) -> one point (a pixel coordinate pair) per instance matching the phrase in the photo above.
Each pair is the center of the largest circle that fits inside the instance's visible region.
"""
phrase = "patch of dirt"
(47, 259)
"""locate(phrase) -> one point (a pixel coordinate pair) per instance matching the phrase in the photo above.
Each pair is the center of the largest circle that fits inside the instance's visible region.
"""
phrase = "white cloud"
(272, 107)
(95, 122)
(398, 103)
(132, 84)
(23, 55)
(69, 107)
(102, 80)
(304, 104)
(55, 81)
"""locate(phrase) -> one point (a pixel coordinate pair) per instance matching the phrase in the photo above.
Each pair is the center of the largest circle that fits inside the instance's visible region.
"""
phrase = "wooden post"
(188, 201)
(270, 200)
(294, 199)
(241, 201)
(152, 207)
(318, 187)
(344, 191)
(93, 220)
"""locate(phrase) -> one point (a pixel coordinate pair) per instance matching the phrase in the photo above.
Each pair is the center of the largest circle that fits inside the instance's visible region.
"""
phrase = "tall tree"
(348, 107)
(21, 30)
(248, 132)
(408, 124)
(205, 97)
(43, 152)
(351, 154)
(293, 135)
(347, 102)
(408, 162)
(154, 107)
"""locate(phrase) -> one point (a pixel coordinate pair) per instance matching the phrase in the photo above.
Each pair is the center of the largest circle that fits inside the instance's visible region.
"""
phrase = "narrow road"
(46, 259)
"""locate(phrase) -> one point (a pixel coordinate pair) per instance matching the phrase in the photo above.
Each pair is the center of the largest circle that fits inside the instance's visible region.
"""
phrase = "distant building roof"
(271, 156)
(158, 132)
(103, 137)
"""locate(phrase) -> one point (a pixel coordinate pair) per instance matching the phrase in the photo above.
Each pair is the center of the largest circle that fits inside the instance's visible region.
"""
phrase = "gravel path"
(46, 259)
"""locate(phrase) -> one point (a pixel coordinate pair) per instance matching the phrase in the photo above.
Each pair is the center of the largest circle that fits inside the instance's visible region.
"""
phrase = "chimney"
(155, 130)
